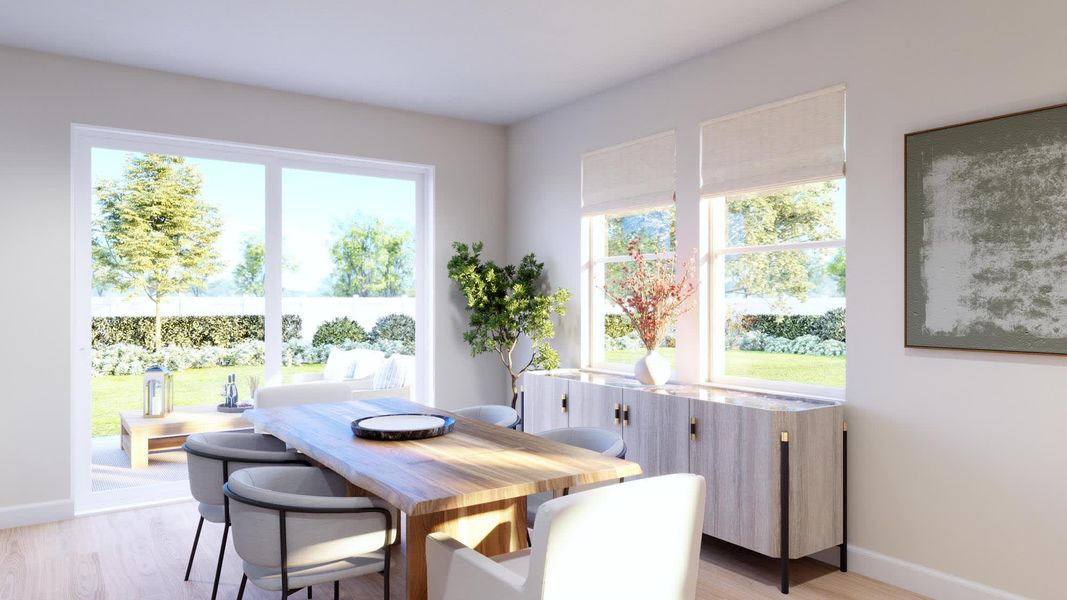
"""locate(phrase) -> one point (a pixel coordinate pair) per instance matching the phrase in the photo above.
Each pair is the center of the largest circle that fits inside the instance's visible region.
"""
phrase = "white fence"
(313, 311)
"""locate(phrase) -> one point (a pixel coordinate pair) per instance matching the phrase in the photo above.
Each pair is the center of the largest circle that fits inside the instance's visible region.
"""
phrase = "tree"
(836, 270)
(371, 258)
(154, 235)
(505, 303)
(797, 214)
(249, 275)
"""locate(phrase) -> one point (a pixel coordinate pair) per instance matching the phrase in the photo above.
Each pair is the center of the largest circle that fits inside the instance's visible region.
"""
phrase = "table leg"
(492, 529)
(138, 451)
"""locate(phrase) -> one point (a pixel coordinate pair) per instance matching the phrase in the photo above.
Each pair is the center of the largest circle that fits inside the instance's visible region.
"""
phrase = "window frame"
(718, 250)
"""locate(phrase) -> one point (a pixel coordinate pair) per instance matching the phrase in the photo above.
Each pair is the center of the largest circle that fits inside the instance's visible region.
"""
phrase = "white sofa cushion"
(396, 372)
(358, 363)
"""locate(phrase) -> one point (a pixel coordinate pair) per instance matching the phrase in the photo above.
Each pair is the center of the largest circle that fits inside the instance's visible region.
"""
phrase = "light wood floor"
(141, 555)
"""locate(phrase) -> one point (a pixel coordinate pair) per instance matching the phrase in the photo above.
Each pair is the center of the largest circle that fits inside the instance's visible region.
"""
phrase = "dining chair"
(212, 458)
(314, 392)
(604, 441)
(496, 414)
(295, 527)
(636, 540)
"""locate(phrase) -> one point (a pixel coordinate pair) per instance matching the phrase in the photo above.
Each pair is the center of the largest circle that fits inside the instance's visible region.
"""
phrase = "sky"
(314, 203)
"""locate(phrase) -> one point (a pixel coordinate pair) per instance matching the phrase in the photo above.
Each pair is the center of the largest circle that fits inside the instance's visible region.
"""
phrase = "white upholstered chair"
(296, 527)
(212, 458)
(635, 541)
(604, 441)
(302, 393)
(496, 414)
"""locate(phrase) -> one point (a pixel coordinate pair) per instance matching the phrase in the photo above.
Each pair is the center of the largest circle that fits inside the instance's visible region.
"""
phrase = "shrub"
(338, 331)
(617, 326)
(828, 326)
(397, 327)
(211, 330)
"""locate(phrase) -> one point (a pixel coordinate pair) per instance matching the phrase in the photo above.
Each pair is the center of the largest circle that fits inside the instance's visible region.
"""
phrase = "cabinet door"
(656, 432)
(735, 450)
(593, 405)
(542, 407)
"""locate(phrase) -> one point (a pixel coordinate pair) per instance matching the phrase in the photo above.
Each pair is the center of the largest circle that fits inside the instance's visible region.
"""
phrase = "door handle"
(563, 403)
(618, 414)
(626, 415)
(692, 428)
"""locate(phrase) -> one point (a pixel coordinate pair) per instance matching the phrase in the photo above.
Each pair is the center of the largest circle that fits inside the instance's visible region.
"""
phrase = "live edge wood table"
(471, 484)
(141, 434)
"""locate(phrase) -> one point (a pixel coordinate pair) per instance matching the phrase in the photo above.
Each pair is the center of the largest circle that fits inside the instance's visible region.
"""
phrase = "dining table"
(470, 483)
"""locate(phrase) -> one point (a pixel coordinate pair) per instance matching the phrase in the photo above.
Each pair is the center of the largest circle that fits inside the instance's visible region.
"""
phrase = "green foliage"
(796, 214)
(504, 303)
(249, 274)
(828, 326)
(805, 344)
(396, 326)
(836, 270)
(654, 229)
(215, 330)
(338, 331)
(617, 326)
(372, 259)
(154, 236)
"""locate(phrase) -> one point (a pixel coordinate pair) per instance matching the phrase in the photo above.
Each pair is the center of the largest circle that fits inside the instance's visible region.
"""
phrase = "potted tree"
(505, 303)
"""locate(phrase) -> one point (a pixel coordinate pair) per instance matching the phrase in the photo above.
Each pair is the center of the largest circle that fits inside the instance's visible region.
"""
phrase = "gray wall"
(41, 95)
(957, 461)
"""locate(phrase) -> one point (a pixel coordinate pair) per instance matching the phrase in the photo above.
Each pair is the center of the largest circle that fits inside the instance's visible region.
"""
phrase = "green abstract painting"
(986, 234)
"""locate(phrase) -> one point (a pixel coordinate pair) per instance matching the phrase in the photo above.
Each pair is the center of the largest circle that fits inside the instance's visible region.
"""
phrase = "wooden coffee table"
(141, 434)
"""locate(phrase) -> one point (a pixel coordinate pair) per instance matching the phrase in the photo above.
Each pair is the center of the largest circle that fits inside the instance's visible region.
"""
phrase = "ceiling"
(497, 61)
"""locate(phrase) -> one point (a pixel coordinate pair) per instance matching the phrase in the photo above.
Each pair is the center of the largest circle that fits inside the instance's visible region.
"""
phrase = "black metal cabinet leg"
(337, 590)
(222, 554)
(309, 591)
(784, 512)
(241, 591)
(843, 558)
(192, 553)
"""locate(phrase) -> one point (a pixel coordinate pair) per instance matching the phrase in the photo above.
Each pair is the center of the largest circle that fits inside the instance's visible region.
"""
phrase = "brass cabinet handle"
(563, 403)
(626, 415)
(692, 428)
(618, 413)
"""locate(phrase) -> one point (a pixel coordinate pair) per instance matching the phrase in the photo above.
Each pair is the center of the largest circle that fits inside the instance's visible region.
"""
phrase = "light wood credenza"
(775, 466)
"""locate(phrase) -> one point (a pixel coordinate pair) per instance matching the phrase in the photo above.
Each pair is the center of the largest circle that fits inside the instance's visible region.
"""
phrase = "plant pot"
(652, 369)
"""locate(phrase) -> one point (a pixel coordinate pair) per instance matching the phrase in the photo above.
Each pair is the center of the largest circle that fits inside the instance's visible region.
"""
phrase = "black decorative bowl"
(394, 428)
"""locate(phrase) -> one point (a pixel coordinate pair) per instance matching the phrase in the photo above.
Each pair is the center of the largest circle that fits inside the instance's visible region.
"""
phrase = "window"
(778, 286)
(613, 342)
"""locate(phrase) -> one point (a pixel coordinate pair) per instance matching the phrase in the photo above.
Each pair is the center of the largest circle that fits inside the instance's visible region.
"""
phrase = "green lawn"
(826, 371)
(115, 393)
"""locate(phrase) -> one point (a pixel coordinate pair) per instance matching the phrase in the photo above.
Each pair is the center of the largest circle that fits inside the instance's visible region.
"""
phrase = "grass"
(192, 387)
(826, 371)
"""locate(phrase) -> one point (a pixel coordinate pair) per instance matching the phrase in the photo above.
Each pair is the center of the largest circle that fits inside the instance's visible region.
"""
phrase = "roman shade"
(631, 176)
(797, 140)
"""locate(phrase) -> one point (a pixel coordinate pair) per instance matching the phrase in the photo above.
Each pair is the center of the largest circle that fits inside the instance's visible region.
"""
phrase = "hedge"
(805, 344)
(617, 326)
(338, 331)
(828, 326)
(396, 326)
(195, 331)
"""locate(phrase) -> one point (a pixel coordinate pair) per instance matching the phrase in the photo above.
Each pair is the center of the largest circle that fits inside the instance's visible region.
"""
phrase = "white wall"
(42, 95)
(957, 459)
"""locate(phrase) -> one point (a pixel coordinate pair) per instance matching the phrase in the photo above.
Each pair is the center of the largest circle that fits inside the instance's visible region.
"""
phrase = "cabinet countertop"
(757, 400)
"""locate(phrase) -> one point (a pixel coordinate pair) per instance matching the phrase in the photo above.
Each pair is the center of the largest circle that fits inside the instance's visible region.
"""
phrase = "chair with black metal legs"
(212, 458)
(604, 441)
(297, 527)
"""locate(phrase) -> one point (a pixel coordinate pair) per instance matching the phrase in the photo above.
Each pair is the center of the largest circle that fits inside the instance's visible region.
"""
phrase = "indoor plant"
(652, 297)
(505, 303)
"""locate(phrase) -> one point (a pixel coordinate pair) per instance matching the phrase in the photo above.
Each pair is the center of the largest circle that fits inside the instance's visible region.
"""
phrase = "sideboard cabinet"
(774, 465)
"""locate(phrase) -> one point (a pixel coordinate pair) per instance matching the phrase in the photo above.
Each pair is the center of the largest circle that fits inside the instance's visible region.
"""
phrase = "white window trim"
(86, 137)
(593, 240)
(716, 291)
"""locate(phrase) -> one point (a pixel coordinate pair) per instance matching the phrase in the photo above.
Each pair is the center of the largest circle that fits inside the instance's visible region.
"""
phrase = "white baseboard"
(913, 577)
(32, 514)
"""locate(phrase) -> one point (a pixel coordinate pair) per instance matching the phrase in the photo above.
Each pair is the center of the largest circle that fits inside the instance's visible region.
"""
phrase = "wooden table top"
(474, 464)
(194, 418)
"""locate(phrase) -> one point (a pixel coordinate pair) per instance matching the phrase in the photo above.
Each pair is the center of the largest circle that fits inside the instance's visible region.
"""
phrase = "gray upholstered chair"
(636, 541)
(296, 527)
(497, 414)
(604, 441)
(212, 458)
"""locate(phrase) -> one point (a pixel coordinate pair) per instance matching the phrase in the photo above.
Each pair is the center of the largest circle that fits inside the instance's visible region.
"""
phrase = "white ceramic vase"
(652, 369)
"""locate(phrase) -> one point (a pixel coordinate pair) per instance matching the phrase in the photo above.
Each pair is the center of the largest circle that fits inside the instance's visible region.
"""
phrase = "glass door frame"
(86, 137)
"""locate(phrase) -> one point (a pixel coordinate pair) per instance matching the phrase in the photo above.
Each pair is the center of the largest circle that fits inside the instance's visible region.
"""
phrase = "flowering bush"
(651, 296)
(805, 344)
(128, 359)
